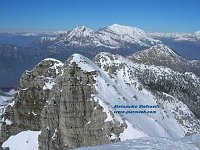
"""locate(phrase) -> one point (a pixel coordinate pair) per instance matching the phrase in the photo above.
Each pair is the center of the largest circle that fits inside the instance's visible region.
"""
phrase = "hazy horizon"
(20, 30)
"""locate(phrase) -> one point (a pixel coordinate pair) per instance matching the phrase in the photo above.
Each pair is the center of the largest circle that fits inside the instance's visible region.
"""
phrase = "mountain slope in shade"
(74, 103)
(162, 55)
(24, 39)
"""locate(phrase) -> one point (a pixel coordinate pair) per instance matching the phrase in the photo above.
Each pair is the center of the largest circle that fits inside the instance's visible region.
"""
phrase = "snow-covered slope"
(25, 140)
(118, 82)
(149, 143)
(117, 85)
(126, 88)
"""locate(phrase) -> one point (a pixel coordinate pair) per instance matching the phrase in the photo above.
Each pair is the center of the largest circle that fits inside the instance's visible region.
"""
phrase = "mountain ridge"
(81, 95)
(111, 36)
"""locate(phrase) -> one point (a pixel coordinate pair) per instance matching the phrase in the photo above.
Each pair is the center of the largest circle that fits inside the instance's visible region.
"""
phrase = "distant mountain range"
(24, 39)
(114, 36)
(21, 51)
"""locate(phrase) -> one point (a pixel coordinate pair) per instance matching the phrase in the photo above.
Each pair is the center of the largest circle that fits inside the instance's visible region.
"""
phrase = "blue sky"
(149, 15)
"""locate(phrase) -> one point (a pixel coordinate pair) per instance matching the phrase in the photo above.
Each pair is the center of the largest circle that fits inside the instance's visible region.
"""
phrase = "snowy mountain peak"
(160, 52)
(54, 62)
(126, 30)
(49, 64)
(162, 48)
(162, 55)
(83, 62)
(78, 58)
(80, 31)
(82, 28)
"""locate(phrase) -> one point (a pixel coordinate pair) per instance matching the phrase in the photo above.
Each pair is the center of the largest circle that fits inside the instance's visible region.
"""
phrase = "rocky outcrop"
(35, 85)
(66, 112)
(72, 118)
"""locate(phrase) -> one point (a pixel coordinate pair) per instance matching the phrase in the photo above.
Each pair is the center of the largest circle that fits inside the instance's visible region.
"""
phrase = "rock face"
(72, 118)
(73, 105)
(35, 85)
(68, 116)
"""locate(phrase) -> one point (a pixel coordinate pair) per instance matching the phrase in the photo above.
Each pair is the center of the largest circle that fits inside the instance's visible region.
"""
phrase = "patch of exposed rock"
(33, 91)
(72, 118)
